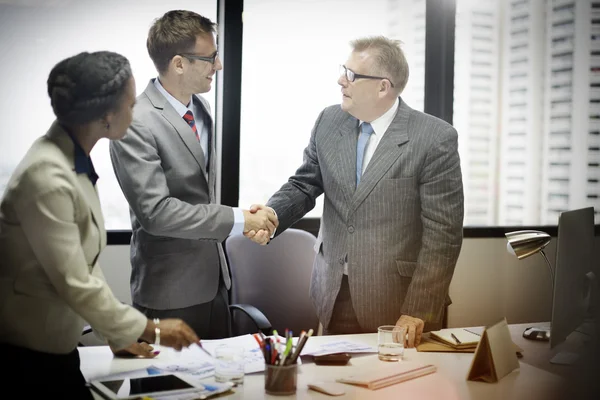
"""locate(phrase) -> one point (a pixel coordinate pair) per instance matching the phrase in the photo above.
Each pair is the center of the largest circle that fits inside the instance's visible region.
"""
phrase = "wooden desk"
(534, 379)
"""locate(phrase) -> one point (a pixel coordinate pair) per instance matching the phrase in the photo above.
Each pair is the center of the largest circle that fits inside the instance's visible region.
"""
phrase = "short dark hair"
(175, 33)
(84, 87)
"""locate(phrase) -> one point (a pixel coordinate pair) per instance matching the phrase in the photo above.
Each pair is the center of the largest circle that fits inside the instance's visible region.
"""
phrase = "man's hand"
(414, 329)
(143, 350)
(261, 235)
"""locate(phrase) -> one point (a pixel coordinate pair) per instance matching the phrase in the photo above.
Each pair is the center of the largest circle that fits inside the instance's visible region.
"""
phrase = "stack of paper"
(337, 346)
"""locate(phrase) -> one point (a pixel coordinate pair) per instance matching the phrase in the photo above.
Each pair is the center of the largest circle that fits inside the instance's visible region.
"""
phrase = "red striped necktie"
(189, 118)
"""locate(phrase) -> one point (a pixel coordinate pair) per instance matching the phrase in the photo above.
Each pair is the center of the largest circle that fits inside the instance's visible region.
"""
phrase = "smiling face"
(197, 74)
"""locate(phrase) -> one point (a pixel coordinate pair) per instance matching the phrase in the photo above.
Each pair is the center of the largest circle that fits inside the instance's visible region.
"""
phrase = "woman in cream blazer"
(52, 233)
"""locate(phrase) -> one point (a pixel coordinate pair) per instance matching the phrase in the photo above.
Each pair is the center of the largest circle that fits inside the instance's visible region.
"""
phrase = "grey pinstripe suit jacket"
(401, 228)
(177, 229)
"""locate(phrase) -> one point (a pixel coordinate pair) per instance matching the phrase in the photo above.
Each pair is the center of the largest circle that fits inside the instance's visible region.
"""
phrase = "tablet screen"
(148, 384)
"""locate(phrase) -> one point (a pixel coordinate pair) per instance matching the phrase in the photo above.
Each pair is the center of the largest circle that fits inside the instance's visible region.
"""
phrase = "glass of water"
(390, 342)
(229, 364)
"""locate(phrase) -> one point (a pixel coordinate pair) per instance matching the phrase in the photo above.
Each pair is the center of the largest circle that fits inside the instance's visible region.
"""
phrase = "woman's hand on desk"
(142, 349)
(171, 332)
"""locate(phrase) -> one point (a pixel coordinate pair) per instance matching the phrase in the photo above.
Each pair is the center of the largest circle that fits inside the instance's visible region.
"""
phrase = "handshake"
(260, 223)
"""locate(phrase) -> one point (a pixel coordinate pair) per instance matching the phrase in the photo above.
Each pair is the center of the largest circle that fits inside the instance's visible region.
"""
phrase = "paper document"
(197, 369)
(254, 360)
(338, 346)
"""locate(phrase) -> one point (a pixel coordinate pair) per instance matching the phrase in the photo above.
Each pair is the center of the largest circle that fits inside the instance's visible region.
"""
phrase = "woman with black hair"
(52, 233)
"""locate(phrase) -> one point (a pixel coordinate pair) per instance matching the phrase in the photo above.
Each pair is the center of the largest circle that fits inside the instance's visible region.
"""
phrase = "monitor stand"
(580, 340)
(564, 358)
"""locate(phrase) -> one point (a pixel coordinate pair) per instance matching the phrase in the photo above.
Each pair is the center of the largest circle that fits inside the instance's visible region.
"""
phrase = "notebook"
(373, 379)
(430, 345)
(457, 338)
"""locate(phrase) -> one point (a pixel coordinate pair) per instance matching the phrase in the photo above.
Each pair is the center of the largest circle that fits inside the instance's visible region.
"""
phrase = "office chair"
(275, 279)
(254, 318)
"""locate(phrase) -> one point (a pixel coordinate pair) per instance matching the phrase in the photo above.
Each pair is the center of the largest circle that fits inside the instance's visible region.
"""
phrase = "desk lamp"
(524, 244)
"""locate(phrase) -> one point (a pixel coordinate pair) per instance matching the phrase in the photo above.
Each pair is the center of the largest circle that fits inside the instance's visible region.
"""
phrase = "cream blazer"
(51, 234)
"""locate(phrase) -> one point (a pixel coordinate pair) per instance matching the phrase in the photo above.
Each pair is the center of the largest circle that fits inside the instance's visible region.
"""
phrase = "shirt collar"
(177, 105)
(83, 162)
(381, 124)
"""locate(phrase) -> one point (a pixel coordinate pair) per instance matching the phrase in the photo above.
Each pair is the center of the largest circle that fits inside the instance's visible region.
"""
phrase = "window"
(540, 111)
(290, 72)
(38, 34)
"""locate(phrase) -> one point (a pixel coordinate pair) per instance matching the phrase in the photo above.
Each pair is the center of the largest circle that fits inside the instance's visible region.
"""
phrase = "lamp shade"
(525, 243)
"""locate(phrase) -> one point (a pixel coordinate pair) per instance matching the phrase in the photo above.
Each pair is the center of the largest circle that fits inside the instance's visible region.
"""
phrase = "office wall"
(488, 282)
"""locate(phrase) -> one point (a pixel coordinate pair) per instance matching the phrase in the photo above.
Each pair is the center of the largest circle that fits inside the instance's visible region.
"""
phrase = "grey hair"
(389, 58)
(84, 87)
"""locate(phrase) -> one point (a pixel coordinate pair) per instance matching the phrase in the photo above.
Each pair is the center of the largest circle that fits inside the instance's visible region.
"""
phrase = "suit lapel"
(183, 129)
(388, 150)
(64, 142)
(347, 156)
(91, 195)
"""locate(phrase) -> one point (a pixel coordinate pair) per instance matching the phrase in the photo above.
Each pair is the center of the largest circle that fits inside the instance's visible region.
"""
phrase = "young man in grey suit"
(165, 166)
(391, 229)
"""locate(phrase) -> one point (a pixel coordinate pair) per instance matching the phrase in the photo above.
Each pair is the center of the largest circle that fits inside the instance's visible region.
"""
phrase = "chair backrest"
(274, 278)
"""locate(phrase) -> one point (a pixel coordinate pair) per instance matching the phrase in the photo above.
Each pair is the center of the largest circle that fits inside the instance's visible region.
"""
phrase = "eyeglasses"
(351, 76)
(210, 59)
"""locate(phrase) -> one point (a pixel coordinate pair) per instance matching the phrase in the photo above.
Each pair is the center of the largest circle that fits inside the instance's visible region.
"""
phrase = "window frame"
(440, 17)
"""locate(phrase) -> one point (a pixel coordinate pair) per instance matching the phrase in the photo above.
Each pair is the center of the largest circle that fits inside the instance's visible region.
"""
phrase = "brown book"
(373, 379)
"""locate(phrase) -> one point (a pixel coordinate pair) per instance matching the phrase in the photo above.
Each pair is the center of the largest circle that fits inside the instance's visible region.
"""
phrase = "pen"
(259, 340)
(204, 350)
(455, 338)
(299, 346)
(267, 352)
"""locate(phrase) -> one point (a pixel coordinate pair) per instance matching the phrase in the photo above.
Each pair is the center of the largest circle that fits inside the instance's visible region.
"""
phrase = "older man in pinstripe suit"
(391, 230)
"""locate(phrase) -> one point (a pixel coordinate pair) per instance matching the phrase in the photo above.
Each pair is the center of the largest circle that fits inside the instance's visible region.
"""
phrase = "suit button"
(351, 229)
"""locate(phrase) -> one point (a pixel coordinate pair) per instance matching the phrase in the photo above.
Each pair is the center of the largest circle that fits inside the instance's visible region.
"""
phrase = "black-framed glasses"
(210, 59)
(351, 76)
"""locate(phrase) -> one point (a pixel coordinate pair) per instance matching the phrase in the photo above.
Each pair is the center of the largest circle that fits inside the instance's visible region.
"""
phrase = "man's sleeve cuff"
(238, 222)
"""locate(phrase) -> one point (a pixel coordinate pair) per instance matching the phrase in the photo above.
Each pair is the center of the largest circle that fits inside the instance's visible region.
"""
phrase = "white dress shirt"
(380, 125)
(203, 131)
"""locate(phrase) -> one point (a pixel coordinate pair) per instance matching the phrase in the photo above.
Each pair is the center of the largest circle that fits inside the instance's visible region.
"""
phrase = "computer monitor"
(572, 278)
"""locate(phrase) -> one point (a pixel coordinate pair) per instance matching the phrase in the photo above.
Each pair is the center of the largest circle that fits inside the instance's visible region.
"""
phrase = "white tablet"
(155, 385)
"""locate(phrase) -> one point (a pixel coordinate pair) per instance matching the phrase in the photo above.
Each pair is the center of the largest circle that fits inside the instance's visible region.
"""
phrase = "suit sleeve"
(137, 165)
(298, 195)
(442, 211)
(47, 215)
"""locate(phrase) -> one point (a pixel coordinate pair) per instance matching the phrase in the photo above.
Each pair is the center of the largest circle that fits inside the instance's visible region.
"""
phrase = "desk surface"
(536, 378)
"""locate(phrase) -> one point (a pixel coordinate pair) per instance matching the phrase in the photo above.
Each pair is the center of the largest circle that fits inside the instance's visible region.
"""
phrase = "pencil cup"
(281, 380)
(390, 342)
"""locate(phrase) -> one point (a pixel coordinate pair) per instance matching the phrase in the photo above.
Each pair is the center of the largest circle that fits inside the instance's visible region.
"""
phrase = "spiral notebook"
(457, 338)
(390, 375)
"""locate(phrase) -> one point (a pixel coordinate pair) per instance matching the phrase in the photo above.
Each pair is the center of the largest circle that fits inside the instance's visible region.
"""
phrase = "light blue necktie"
(365, 132)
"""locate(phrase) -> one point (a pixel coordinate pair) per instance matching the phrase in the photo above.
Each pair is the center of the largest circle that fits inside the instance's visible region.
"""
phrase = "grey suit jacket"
(400, 229)
(51, 235)
(177, 229)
